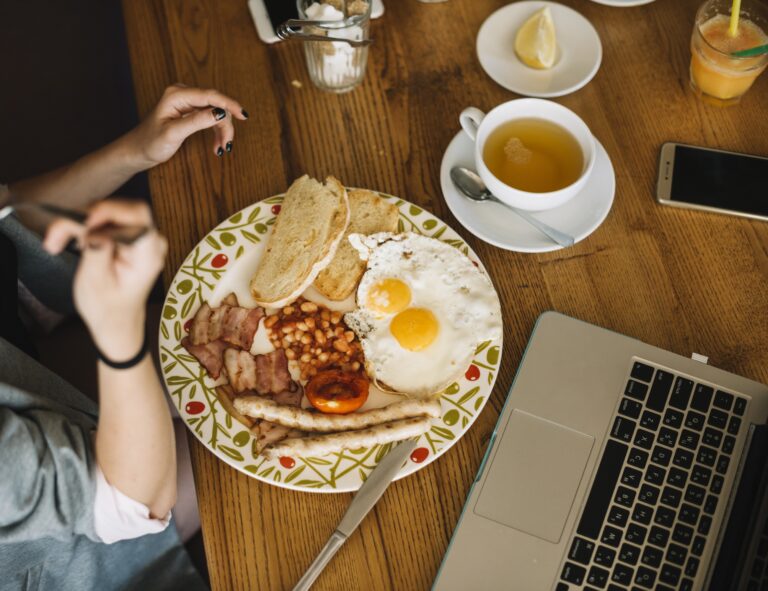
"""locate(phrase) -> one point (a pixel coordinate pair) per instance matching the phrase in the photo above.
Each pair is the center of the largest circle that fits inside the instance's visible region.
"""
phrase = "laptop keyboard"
(649, 511)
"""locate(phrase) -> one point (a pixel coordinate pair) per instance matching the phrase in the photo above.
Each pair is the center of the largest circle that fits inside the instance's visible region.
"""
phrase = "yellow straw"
(735, 10)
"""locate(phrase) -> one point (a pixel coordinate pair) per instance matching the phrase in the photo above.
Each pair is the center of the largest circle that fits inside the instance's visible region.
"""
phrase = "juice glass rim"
(699, 21)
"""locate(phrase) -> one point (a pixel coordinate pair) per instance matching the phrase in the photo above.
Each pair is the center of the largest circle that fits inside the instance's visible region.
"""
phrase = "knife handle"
(335, 542)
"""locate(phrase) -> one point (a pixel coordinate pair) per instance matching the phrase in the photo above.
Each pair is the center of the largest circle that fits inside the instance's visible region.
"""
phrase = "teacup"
(478, 126)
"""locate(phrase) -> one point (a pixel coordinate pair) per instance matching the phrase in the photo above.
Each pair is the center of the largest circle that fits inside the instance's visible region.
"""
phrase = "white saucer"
(579, 51)
(623, 3)
(501, 227)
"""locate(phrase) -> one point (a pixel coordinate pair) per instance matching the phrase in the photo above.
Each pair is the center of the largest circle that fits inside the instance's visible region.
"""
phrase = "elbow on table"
(124, 512)
(164, 501)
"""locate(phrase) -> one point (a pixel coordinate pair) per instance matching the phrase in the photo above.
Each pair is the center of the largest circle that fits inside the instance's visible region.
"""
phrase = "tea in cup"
(532, 154)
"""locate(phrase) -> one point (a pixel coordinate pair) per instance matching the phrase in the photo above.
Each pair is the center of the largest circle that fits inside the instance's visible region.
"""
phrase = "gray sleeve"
(47, 485)
(48, 277)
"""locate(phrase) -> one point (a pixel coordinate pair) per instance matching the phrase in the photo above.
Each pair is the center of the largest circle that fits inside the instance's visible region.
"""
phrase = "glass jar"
(336, 66)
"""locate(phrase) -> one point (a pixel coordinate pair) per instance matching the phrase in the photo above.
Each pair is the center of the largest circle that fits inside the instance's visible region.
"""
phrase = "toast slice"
(307, 233)
(369, 214)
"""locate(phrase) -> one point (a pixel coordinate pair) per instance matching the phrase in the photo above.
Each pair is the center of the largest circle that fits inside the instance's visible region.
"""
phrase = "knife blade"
(365, 499)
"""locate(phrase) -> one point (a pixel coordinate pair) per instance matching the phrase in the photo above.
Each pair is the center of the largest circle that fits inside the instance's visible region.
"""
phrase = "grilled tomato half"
(337, 392)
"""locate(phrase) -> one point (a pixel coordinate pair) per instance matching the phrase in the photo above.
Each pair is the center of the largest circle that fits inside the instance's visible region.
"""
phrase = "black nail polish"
(244, 112)
(218, 113)
(229, 146)
(220, 151)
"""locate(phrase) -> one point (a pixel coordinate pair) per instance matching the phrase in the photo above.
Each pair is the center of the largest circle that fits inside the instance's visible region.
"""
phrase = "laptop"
(617, 465)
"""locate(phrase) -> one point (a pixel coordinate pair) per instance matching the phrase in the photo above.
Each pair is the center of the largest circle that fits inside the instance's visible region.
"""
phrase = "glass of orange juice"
(717, 76)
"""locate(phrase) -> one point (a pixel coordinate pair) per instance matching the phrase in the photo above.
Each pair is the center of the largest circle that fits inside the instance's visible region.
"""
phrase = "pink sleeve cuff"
(118, 517)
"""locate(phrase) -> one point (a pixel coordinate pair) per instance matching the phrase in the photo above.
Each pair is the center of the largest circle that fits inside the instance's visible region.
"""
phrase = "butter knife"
(361, 504)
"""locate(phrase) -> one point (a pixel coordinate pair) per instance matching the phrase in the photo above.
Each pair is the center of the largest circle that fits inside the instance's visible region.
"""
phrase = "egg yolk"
(415, 328)
(388, 296)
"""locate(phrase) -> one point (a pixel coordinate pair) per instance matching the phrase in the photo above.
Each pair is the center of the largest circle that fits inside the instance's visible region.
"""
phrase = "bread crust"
(369, 214)
(302, 242)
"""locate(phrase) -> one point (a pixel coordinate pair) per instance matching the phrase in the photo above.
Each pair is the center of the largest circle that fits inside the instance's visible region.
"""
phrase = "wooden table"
(681, 280)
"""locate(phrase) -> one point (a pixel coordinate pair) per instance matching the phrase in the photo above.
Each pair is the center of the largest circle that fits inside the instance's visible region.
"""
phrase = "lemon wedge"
(535, 42)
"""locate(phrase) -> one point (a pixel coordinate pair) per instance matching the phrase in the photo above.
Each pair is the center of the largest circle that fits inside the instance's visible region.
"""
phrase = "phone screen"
(726, 181)
(280, 11)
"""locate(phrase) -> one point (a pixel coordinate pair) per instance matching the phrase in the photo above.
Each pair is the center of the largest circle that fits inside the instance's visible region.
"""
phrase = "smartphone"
(713, 180)
(269, 14)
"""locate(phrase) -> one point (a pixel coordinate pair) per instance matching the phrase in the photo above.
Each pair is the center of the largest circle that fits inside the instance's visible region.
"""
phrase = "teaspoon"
(473, 187)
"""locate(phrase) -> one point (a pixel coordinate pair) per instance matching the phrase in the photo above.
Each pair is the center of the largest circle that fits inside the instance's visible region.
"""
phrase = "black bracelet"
(133, 361)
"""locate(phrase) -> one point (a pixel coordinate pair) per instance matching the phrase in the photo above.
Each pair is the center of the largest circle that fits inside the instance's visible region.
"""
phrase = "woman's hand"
(181, 112)
(113, 281)
(134, 440)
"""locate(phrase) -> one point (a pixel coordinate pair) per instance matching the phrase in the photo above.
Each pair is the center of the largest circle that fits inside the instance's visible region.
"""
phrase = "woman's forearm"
(135, 439)
(180, 112)
(94, 176)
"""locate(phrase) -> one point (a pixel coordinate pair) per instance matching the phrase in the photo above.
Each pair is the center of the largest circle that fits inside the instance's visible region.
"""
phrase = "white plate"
(501, 227)
(623, 3)
(222, 263)
(579, 51)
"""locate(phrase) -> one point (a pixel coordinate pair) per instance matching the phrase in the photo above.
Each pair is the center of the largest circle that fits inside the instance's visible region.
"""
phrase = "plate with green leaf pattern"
(223, 262)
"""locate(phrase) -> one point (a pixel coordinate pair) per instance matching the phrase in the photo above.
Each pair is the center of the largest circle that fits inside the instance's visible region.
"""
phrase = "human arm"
(180, 112)
(134, 438)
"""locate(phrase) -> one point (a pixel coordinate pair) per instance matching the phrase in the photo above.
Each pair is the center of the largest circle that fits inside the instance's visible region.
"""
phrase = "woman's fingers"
(181, 129)
(224, 134)
(182, 112)
(146, 254)
(60, 233)
(218, 141)
(181, 100)
(121, 212)
(97, 259)
(138, 265)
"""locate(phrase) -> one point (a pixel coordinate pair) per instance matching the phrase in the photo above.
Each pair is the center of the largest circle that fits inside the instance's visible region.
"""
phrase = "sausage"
(297, 418)
(322, 445)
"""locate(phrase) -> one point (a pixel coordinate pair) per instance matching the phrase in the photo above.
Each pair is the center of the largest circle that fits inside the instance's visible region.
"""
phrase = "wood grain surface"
(682, 280)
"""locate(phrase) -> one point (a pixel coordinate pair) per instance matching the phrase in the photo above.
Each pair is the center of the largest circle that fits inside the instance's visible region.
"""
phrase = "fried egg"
(422, 309)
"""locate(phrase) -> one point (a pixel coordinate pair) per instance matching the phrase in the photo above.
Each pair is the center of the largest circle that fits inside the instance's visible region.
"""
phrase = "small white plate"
(579, 51)
(501, 227)
(623, 3)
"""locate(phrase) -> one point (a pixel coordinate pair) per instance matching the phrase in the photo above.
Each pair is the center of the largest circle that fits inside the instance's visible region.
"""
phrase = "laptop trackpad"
(534, 475)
